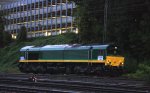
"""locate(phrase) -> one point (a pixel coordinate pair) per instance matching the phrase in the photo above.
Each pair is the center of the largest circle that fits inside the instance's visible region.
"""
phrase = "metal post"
(20, 15)
(47, 17)
(42, 17)
(34, 19)
(23, 11)
(105, 21)
(51, 16)
(27, 16)
(13, 17)
(17, 19)
(10, 18)
(61, 16)
(66, 14)
(38, 17)
(31, 18)
(56, 17)
(7, 25)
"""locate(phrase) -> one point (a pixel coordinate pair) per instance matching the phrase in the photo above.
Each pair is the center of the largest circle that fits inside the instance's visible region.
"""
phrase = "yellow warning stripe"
(66, 61)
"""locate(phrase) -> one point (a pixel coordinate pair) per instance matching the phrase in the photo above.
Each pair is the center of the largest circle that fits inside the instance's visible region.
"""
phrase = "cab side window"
(103, 53)
(113, 51)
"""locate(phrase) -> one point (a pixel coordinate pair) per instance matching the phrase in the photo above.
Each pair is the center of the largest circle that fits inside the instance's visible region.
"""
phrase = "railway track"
(45, 84)
(74, 77)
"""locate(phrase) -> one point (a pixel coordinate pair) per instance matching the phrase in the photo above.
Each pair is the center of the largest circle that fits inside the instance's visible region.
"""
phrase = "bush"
(1, 39)
(22, 35)
(131, 64)
(72, 36)
(6, 38)
(1, 31)
(143, 72)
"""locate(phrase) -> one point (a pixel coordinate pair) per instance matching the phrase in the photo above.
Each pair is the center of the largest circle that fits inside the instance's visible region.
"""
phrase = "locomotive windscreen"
(113, 50)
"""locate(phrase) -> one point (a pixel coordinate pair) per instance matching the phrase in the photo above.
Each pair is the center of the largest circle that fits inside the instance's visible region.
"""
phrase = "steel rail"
(82, 86)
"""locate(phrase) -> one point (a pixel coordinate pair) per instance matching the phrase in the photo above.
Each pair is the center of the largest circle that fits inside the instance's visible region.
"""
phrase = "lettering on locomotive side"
(100, 58)
(22, 58)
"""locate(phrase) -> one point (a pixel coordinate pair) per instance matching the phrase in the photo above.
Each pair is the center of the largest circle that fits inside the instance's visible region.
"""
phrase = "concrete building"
(40, 17)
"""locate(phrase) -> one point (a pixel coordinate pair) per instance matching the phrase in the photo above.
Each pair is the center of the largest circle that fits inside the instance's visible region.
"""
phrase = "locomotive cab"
(113, 57)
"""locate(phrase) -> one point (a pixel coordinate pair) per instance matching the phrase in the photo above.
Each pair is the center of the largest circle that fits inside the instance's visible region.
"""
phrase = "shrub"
(6, 38)
(143, 72)
(131, 65)
(22, 35)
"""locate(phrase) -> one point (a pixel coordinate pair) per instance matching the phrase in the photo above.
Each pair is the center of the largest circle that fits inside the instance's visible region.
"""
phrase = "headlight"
(121, 64)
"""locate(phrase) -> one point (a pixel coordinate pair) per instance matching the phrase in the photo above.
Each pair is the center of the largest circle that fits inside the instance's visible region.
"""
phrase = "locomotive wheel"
(115, 71)
(38, 68)
(77, 70)
(21, 67)
(68, 70)
(43, 70)
(88, 70)
(33, 68)
(26, 68)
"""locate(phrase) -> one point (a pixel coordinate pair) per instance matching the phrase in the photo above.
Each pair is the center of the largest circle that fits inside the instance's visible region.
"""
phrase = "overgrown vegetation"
(10, 54)
(22, 35)
(5, 37)
(143, 72)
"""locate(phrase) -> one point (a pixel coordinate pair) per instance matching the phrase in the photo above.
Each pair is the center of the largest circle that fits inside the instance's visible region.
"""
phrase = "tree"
(89, 20)
(1, 31)
(7, 38)
(22, 35)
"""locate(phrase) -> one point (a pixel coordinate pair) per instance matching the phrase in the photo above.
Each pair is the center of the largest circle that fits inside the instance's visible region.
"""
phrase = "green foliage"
(1, 24)
(71, 35)
(7, 38)
(139, 38)
(143, 72)
(1, 40)
(22, 34)
(131, 65)
(88, 22)
(9, 55)
(1, 31)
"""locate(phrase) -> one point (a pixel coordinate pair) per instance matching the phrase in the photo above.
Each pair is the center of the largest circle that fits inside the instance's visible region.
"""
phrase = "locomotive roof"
(26, 48)
(63, 47)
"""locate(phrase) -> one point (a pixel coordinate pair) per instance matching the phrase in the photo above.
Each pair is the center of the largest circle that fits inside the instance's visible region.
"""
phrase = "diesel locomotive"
(71, 59)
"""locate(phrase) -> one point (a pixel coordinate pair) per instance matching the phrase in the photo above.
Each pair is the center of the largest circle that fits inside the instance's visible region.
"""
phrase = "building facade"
(40, 17)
